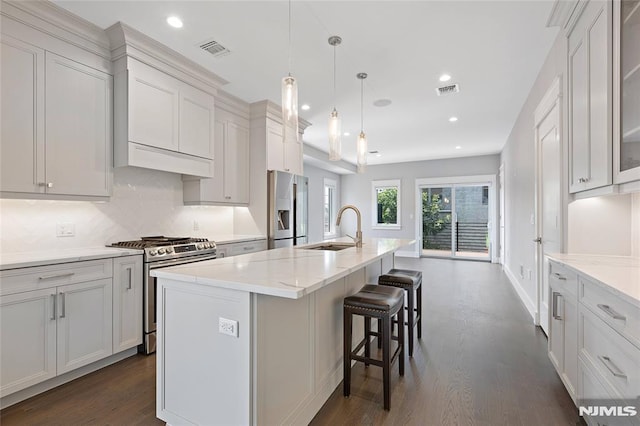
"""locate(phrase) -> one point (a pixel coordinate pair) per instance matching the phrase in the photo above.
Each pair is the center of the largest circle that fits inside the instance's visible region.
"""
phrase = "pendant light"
(361, 145)
(335, 136)
(289, 100)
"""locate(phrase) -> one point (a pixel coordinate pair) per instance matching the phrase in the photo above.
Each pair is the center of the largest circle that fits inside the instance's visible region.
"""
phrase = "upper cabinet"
(590, 97)
(56, 123)
(626, 22)
(230, 182)
(165, 107)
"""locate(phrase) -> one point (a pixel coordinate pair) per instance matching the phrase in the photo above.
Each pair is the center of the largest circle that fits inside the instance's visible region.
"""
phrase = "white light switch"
(227, 326)
(65, 229)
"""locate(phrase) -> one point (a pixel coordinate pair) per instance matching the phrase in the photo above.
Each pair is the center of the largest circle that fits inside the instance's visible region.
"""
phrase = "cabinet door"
(28, 330)
(590, 98)
(275, 149)
(84, 324)
(236, 160)
(570, 320)
(22, 118)
(78, 128)
(556, 331)
(197, 128)
(127, 302)
(153, 107)
(293, 158)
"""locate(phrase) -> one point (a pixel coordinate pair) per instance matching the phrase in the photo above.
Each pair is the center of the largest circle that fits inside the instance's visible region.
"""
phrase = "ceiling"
(492, 49)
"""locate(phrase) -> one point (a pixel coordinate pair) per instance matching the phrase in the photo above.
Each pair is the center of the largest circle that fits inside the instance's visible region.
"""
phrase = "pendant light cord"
(334, 76)
(289, 38)
(361, 105)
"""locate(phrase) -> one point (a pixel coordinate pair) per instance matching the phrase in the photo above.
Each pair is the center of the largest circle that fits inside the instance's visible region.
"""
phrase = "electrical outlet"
(227, 326)
(529, 274)
(65, 229)
(196, 225)
(522, 272)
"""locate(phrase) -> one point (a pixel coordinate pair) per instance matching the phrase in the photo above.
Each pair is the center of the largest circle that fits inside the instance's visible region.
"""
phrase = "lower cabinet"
(235, 249)
(563, 325)
(57, 318)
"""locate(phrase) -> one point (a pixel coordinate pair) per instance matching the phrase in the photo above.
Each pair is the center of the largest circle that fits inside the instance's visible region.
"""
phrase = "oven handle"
(180, 261)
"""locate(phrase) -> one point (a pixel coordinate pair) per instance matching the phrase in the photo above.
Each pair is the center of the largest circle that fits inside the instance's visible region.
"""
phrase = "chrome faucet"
(358, 238)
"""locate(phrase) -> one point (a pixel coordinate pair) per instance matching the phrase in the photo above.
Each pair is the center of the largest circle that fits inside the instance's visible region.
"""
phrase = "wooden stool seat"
(382, 303)
(411, 282)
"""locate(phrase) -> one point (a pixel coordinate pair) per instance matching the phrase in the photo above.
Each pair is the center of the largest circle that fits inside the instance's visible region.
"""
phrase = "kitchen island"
(257, 338)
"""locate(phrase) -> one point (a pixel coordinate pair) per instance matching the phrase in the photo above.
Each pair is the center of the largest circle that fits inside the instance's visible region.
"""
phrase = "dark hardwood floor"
(480, 362)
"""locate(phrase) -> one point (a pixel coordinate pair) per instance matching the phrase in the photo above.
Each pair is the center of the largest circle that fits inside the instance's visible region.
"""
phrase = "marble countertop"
(620, 273)
(285, 272)
(235, 238)
(49, 257)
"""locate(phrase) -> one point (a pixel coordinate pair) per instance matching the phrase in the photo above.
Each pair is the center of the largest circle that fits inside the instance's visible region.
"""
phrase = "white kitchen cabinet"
(235, 249)
(84, 325)
(590, 97)
(161, 122)
(282, 156)
(127, 302)
(626, 25)
(55, 319)
(28, 330)
(56, 123)
(230, 183)
(563, 325)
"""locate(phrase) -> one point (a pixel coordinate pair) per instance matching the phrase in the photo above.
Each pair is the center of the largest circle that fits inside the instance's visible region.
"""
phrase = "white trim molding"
(385, 184)
(522, 294)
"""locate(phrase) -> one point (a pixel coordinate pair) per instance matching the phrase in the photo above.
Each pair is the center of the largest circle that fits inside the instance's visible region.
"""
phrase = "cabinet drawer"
(40, 277)
(562, 278)
(618, 313)
(612, 356)
(244, 248)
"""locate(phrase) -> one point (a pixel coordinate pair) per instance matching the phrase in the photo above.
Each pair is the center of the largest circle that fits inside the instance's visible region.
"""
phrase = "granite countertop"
(235, 238)
(620, 273)
(49, 257)
(285, 272)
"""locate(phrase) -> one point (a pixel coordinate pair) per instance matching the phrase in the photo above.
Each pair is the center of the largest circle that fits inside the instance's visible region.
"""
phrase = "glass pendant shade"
(289, 110)
(361, 148)
(335, 136)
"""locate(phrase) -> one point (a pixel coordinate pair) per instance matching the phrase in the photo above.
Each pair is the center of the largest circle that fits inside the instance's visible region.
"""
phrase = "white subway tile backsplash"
(144, 202)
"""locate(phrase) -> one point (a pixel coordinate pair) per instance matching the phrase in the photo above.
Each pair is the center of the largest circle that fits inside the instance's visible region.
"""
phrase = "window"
(386, 204)
(330, 206)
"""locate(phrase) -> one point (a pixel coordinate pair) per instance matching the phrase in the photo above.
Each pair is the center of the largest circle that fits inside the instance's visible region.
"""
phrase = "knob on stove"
(153, 252)
(200, 246)
(169, 250)
(161, 251)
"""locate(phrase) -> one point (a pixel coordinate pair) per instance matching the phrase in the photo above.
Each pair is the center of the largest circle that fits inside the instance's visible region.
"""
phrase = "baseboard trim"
(54, 382)
(524, 297)
(407, 253)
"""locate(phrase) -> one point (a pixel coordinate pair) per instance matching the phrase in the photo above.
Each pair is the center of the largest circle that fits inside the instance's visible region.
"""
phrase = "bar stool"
(374, 301)
(411, 282)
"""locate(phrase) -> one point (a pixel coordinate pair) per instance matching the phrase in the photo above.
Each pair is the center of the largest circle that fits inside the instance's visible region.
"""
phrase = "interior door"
(548, 198)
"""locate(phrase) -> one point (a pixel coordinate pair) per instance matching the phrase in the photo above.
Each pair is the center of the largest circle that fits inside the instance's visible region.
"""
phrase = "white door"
(501, 215)
(28, 330)
(78, 128)
(548, 196)
(84, 323)
(22, 118)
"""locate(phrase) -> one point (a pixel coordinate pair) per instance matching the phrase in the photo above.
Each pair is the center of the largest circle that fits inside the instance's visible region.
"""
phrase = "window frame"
(333, 208)
(385, 184)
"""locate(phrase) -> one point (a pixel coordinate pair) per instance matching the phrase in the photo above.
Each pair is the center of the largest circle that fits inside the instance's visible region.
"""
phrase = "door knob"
(538, 240)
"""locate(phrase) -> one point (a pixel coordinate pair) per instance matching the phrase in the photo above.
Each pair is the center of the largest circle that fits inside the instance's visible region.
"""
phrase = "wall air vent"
(447, 90)
(215, 48)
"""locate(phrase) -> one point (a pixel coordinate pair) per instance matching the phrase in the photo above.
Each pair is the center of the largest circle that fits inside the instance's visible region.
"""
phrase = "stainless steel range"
(160, 252)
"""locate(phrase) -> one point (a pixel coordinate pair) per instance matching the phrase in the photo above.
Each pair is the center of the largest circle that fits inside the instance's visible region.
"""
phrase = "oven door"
(150, 297)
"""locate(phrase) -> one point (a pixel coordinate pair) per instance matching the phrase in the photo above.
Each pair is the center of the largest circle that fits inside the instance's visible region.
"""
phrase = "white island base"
(286, 359)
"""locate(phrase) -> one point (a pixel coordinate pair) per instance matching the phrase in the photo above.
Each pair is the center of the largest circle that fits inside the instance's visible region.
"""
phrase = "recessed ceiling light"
(458, 147)
(346, 134)
(174, 21)
(305, 107)
(453, 119)
(445, 77)
(382, 102)
(378, 155)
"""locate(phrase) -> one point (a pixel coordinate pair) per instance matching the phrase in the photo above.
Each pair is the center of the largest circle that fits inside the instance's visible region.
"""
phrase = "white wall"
(316, 199)
(601, 225)
(518, 157)
(356, 189)
(144, 202)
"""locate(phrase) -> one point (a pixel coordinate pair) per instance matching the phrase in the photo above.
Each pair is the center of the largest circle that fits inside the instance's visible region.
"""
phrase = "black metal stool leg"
(410, 303)
(367, 335)
(386, 361)
(401, 341)
(419, 304)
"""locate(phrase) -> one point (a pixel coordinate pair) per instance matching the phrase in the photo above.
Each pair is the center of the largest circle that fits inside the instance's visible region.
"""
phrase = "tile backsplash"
(144, 202)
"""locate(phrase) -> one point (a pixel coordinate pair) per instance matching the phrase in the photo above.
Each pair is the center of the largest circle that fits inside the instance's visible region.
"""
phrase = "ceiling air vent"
(215, 48)
(447, 90)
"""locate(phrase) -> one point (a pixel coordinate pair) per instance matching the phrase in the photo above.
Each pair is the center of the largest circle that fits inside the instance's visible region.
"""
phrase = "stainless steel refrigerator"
(288, 209)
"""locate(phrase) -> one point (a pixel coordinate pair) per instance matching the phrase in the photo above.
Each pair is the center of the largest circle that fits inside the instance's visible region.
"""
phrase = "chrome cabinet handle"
(53, 302)
(560, 277)
(63, 309)
(537, 240)
(613, 369)
(46, 184)
(227, 197)
(48, 277)
(554, 306)
(129, 270)
(612, 313)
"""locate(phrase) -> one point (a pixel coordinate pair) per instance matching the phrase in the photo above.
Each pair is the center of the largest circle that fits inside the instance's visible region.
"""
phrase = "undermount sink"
(329, 246)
